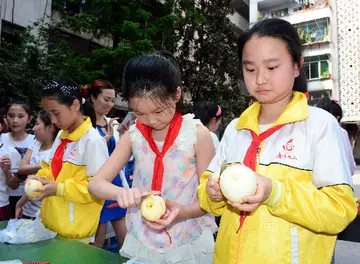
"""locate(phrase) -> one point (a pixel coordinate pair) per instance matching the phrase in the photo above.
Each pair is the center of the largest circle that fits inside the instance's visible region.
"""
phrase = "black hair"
(330, 106)
(155, 75)
(205, 111)
(283, 30)
(45, 118)
(65, 91)
(24, 105)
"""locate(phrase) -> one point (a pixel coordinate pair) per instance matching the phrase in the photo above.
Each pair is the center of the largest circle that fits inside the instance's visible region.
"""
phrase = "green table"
(58, 251)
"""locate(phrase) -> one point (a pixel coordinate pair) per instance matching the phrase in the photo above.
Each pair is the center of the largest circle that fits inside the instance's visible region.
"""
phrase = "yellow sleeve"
(45, 171)
(326, 210)
(213, 207)
(75, 191)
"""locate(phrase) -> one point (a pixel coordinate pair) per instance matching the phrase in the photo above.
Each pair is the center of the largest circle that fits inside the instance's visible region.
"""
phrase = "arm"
(25, 167)
(76, 191)
(205, 201)
(100, 186)
(204, 151)
(327, 205)
(22, 201)
(45, 171)
(12, 180)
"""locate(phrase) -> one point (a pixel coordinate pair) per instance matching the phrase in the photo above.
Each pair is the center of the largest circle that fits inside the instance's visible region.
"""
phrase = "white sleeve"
(224, 146)
(215, 141)
(331, 159)
(15, 159)
(349, 151)
(96, 153)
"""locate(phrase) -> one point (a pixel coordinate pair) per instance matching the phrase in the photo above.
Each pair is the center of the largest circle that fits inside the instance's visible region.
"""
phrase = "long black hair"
(66, 91)
(283, 30)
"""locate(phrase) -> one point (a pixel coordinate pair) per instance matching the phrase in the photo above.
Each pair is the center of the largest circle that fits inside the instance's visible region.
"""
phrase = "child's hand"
(213, 189)
(174, 215)
(18, 212)
(49, 188)
(129, 197)
(263, 191)
(5, 164)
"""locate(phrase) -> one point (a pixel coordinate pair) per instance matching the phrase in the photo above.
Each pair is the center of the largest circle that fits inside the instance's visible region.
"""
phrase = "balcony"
(270, 8)
(315, 31)
(271, 4)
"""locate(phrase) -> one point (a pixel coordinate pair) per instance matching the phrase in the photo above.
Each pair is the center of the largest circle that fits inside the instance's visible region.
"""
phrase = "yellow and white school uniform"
(73, 213)
(311, 200)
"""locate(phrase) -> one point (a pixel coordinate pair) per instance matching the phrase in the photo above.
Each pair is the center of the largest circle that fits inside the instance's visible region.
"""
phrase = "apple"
(31, 186)
(238, 181)
(153, 207)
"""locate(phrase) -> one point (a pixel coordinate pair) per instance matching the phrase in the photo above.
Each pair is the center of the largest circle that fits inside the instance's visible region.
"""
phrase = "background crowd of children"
(85, 161)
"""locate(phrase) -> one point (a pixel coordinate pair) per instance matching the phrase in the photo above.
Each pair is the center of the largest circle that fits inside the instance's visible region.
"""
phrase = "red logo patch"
(288, 149)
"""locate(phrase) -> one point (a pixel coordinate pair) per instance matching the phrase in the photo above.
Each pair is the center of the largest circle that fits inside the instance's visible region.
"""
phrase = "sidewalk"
(349, 252)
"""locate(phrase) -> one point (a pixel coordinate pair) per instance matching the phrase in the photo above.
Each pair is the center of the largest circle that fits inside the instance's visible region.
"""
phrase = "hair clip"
(51, 85)
(68, 90)
(219, 111)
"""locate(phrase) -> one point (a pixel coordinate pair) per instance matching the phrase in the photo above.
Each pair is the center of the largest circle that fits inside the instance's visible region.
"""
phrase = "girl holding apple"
(304, 196)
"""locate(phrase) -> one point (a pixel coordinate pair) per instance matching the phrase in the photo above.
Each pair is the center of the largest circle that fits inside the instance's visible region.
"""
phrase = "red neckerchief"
(172, 134)
(57, 161)
(251, 155)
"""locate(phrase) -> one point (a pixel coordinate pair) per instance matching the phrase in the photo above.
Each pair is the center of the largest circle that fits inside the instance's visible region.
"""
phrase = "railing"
(304, 6)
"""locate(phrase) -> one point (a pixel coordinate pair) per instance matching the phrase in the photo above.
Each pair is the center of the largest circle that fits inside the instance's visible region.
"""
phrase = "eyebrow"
(246, 62)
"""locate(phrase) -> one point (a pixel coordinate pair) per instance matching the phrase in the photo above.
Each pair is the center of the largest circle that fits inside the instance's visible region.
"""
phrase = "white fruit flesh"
(31, 186)
(236, 182)
(153, 208)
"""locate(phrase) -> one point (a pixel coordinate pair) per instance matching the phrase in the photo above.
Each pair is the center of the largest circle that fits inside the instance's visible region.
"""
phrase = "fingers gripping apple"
(31, 187)
(236, 182)
(153, 207)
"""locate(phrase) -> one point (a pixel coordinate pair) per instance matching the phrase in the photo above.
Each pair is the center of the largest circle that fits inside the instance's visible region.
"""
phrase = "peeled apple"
(236, 182)
(31, 186)
(153, 207)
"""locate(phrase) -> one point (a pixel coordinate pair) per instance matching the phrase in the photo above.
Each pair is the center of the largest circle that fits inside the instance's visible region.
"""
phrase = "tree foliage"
(198, 33)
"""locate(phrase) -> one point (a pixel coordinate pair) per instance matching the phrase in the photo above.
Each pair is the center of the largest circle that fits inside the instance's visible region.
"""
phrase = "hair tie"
(219, 111)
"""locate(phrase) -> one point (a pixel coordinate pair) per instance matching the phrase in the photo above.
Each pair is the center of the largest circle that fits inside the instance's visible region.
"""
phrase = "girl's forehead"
(146, 104)
(17, 109)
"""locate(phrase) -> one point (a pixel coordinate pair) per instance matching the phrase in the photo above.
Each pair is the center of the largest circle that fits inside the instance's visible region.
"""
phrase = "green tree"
(135, 27)
(208, 54)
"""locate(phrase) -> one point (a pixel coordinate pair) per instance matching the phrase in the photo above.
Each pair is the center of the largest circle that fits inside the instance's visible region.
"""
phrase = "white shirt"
(21, 147)
(15, 158)
(215, 140)
(349, 151)
(31, 207)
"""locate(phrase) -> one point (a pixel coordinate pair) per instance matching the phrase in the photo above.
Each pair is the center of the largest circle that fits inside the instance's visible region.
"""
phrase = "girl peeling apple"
(170, 152)
(304, 196)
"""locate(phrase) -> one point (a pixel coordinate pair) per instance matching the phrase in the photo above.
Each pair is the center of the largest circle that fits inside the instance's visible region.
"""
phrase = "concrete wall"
(25, 12)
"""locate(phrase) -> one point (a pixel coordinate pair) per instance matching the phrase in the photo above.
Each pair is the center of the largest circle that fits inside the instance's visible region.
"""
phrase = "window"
(313, 31)
(317, 67)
